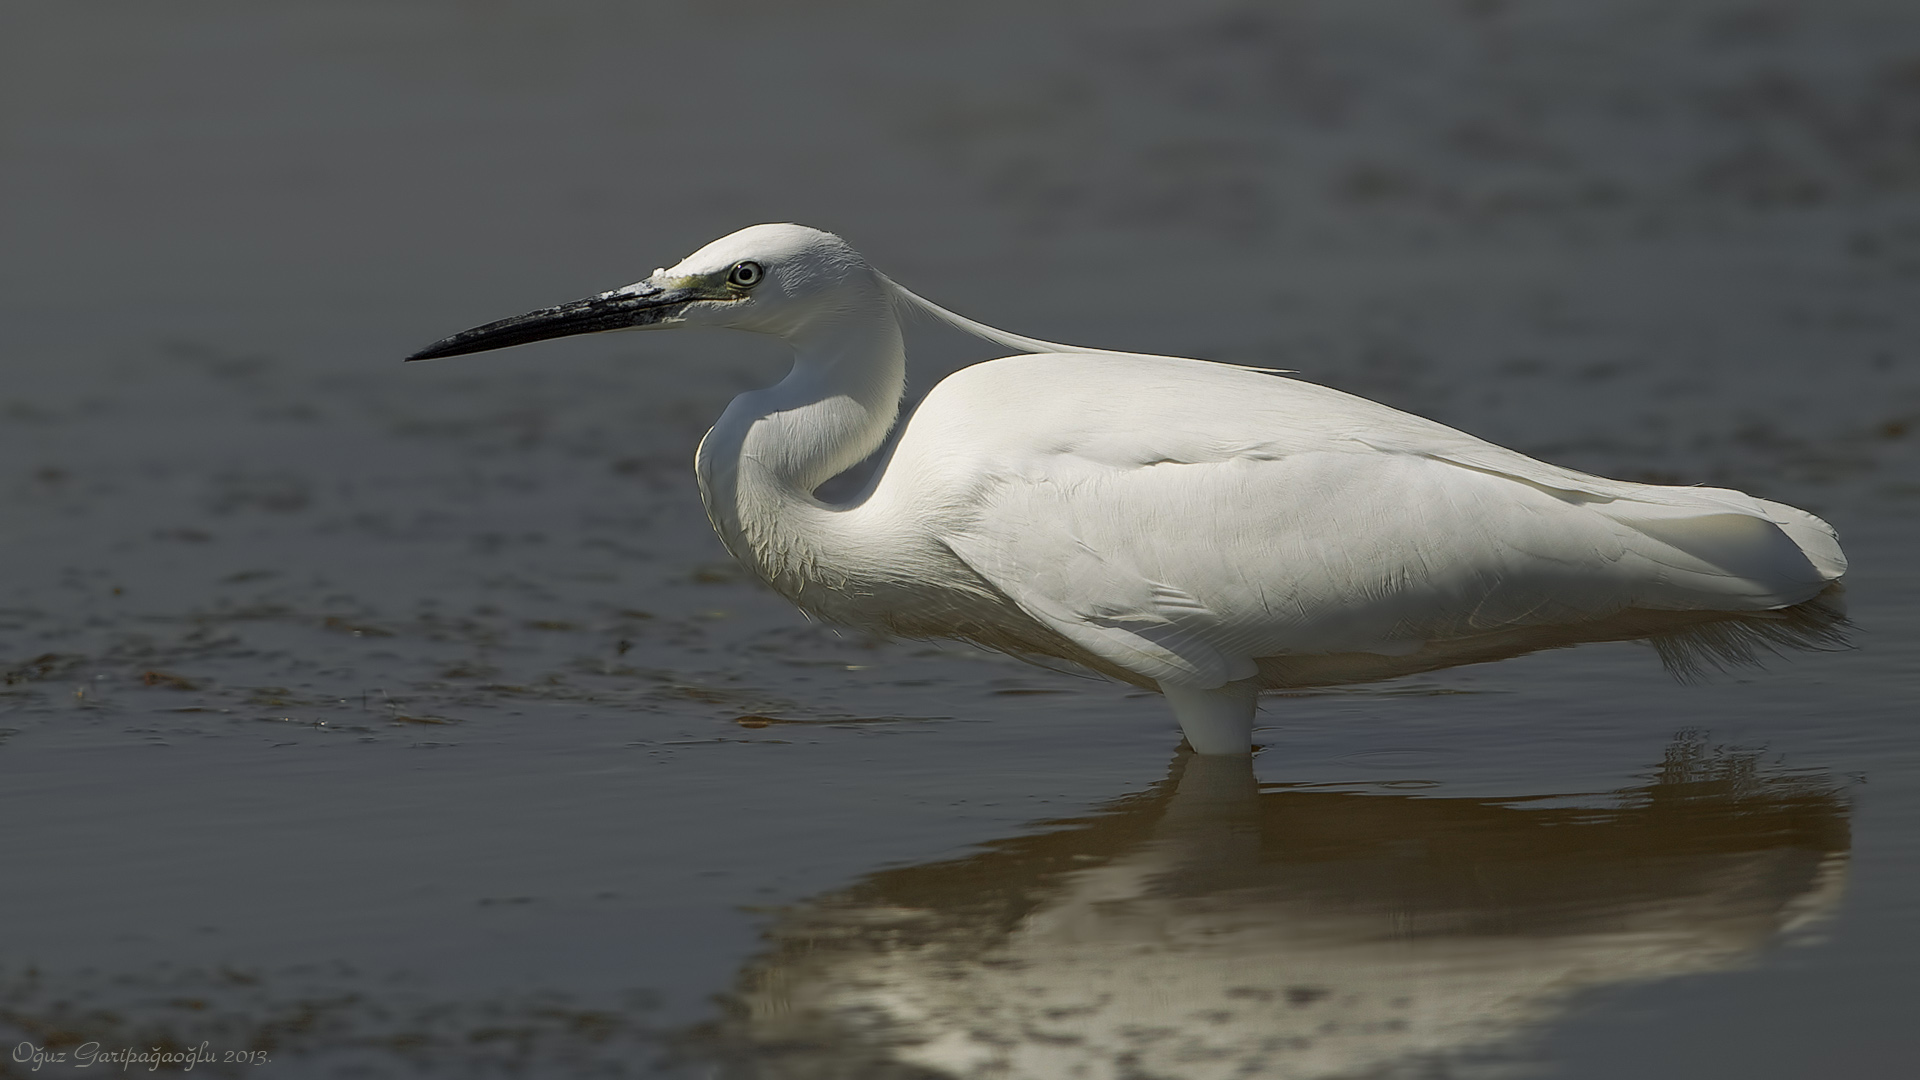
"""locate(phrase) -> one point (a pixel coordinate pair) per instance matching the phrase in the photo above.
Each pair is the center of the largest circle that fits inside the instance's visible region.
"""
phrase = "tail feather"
(1692, 644)
(1730, 551)
(1748, 639)
(1817, 539)
(1709, 548)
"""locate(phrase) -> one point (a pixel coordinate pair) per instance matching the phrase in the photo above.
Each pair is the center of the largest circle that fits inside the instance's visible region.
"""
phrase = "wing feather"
(1250, 517)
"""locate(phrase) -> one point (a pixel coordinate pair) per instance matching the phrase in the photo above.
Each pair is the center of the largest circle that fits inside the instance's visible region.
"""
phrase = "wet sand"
(382, 719)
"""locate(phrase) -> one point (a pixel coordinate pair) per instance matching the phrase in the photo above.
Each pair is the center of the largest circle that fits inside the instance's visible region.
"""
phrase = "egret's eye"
(746, 274)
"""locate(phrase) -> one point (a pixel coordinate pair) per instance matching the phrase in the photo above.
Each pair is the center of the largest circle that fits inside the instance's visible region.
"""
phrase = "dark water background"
(385, 719)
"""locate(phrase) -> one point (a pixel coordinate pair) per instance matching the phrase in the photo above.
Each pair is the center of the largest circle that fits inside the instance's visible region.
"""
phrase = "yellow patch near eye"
(709, 286)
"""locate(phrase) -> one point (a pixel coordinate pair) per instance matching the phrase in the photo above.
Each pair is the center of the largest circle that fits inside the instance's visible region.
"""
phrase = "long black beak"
(641, 304)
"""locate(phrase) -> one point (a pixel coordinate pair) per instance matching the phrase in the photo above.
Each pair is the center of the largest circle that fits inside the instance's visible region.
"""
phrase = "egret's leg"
(1218, 721)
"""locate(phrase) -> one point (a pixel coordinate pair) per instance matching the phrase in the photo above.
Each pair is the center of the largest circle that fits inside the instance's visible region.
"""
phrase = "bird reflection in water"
(1212, 928)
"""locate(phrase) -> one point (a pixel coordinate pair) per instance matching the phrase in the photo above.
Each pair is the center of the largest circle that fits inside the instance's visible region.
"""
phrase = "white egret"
(1201, 529)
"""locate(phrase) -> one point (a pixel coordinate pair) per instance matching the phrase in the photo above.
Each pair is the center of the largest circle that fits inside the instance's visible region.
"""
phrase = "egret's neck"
(759, 465)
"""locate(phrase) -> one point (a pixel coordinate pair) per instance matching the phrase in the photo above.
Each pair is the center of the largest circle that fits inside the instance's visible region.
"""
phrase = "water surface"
(382, 719)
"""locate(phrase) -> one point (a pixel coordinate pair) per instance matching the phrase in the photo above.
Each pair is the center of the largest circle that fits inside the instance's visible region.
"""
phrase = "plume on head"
(906, 299)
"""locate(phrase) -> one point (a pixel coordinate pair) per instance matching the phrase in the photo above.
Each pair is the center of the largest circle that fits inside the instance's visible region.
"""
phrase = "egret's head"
(772, 279)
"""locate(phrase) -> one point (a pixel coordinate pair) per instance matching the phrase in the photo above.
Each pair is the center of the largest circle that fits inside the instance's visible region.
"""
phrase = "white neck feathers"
(760, 464)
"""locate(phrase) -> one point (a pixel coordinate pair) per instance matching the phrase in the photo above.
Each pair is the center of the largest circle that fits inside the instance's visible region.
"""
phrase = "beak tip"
(445, 347)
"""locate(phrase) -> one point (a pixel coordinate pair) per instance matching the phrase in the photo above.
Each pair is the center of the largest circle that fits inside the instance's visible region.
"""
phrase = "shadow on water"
(1209, 927)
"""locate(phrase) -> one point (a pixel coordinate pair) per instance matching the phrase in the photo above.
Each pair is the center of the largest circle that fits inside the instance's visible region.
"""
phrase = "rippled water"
(380, 719)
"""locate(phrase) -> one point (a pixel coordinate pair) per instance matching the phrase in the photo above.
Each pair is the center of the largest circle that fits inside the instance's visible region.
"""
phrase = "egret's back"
(1185, 520)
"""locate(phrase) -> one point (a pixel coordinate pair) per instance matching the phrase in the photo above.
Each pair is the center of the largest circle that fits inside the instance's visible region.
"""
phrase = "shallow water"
(382, 719)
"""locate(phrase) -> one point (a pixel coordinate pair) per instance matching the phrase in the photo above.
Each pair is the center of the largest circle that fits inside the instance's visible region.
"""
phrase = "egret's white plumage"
(1196, 527)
